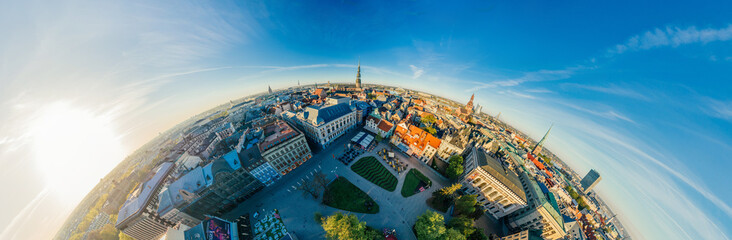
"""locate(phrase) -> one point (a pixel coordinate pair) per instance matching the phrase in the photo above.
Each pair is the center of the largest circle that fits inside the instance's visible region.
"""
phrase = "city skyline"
(643, 100)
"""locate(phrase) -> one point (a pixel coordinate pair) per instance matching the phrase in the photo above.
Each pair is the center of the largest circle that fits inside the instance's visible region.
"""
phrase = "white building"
(499, 189)
(324, 124)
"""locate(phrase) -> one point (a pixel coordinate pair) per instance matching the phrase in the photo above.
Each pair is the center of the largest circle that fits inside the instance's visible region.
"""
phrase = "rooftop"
(496, 169)
(142, 196)
(319, 115)
(276, 133)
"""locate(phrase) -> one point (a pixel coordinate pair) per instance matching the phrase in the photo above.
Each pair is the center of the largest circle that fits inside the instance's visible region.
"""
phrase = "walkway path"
(297, 209)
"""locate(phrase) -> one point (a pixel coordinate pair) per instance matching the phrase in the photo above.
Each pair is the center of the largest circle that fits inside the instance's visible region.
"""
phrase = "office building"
(590, 180)
(283, 146)
(138, 216)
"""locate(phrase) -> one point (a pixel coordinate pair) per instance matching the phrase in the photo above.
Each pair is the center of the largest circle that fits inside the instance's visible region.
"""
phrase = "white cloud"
(672, 37)
(612, 89)
(416, 71)
(537, 76)
(718, 109)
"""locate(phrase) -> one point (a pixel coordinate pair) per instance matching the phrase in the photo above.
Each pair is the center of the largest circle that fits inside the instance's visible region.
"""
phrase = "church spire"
(269, 89)
(540, 144)
(358, 74)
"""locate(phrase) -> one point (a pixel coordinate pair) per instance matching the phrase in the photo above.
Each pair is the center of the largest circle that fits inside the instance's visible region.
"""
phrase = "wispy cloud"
(416, 71)
(672, 37)
(612, 89)
(537, 76)
(717, 108)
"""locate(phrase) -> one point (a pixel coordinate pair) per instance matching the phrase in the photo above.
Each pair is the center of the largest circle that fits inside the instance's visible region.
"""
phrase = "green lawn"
(342, 194)
(412, 180)
(370, 169)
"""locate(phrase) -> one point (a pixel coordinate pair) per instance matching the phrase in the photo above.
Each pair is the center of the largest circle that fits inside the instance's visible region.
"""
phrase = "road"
(297, 209)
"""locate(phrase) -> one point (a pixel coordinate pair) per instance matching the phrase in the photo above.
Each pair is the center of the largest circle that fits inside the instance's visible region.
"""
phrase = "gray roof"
(317, 115)
(192, 182)
(496, 169)
(133, 206)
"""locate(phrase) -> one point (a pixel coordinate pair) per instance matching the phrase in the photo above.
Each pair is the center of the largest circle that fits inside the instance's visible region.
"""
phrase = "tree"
(123, 236)
(430, 130)
(429, 118)
(465, 204)
(450, 191)
(454, 170)
(310, 187)
(452, 234)
(462, 224)
(478, 235)
(430, 225)
(320, 179)
(455, 158)
(342, 227)
(318, 218)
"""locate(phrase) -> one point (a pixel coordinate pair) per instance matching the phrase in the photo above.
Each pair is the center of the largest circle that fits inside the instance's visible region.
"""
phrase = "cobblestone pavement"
(297, 209)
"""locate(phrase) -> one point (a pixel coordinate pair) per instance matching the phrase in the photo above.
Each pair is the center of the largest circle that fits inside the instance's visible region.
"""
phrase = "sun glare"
(73, 148)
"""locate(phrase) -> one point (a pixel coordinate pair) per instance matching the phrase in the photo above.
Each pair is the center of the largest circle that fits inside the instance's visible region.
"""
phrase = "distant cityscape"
(344, 161)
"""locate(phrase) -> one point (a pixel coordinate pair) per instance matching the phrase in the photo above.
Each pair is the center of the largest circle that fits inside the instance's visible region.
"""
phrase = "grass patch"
(412, 182)
(370, 169)
(342, 194)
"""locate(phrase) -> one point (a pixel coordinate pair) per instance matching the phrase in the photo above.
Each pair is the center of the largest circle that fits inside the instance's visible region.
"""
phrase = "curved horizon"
(642, 99)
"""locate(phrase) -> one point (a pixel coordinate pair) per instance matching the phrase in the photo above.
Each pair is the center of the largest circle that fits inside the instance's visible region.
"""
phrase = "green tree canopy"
(466, 204)
(452, 234)
(455, 158)
(463, 224)
(430, 225)
(123, 236)
(342, 227)
(454, 170)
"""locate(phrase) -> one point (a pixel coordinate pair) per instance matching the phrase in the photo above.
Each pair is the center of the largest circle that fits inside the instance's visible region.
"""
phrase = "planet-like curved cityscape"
(347, 161)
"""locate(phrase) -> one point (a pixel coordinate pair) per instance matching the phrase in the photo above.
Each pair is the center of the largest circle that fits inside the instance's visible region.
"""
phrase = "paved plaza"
(297, 209)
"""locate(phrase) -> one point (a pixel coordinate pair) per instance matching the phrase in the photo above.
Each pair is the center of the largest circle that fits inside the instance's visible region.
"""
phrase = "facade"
(524, 235)
(324, 124)
(228, 183)
(179, 194)
(499, 189)
(213, 229)
(138, 216)
(541, 213)
(380, 127)
(590, 180)
(574, 231)
(453, 143)
(225, 130)
(466, 113)
(415, 141)
(283, 147)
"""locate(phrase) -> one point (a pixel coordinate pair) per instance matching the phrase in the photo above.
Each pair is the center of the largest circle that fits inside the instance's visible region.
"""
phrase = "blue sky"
(639, 91)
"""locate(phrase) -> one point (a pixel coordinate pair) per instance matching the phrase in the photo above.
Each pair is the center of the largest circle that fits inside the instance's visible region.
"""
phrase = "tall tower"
(358, 74)
(469, 106)
(269, 89)
(298, 82)
(539, 145)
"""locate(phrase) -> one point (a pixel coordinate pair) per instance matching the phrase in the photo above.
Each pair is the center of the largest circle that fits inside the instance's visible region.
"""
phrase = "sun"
(73, 148)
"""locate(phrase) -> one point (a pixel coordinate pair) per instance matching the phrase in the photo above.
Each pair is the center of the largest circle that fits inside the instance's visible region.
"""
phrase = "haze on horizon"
(638, 91)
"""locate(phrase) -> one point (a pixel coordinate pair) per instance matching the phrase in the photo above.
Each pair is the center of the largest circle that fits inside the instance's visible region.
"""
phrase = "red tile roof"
(385, 125)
